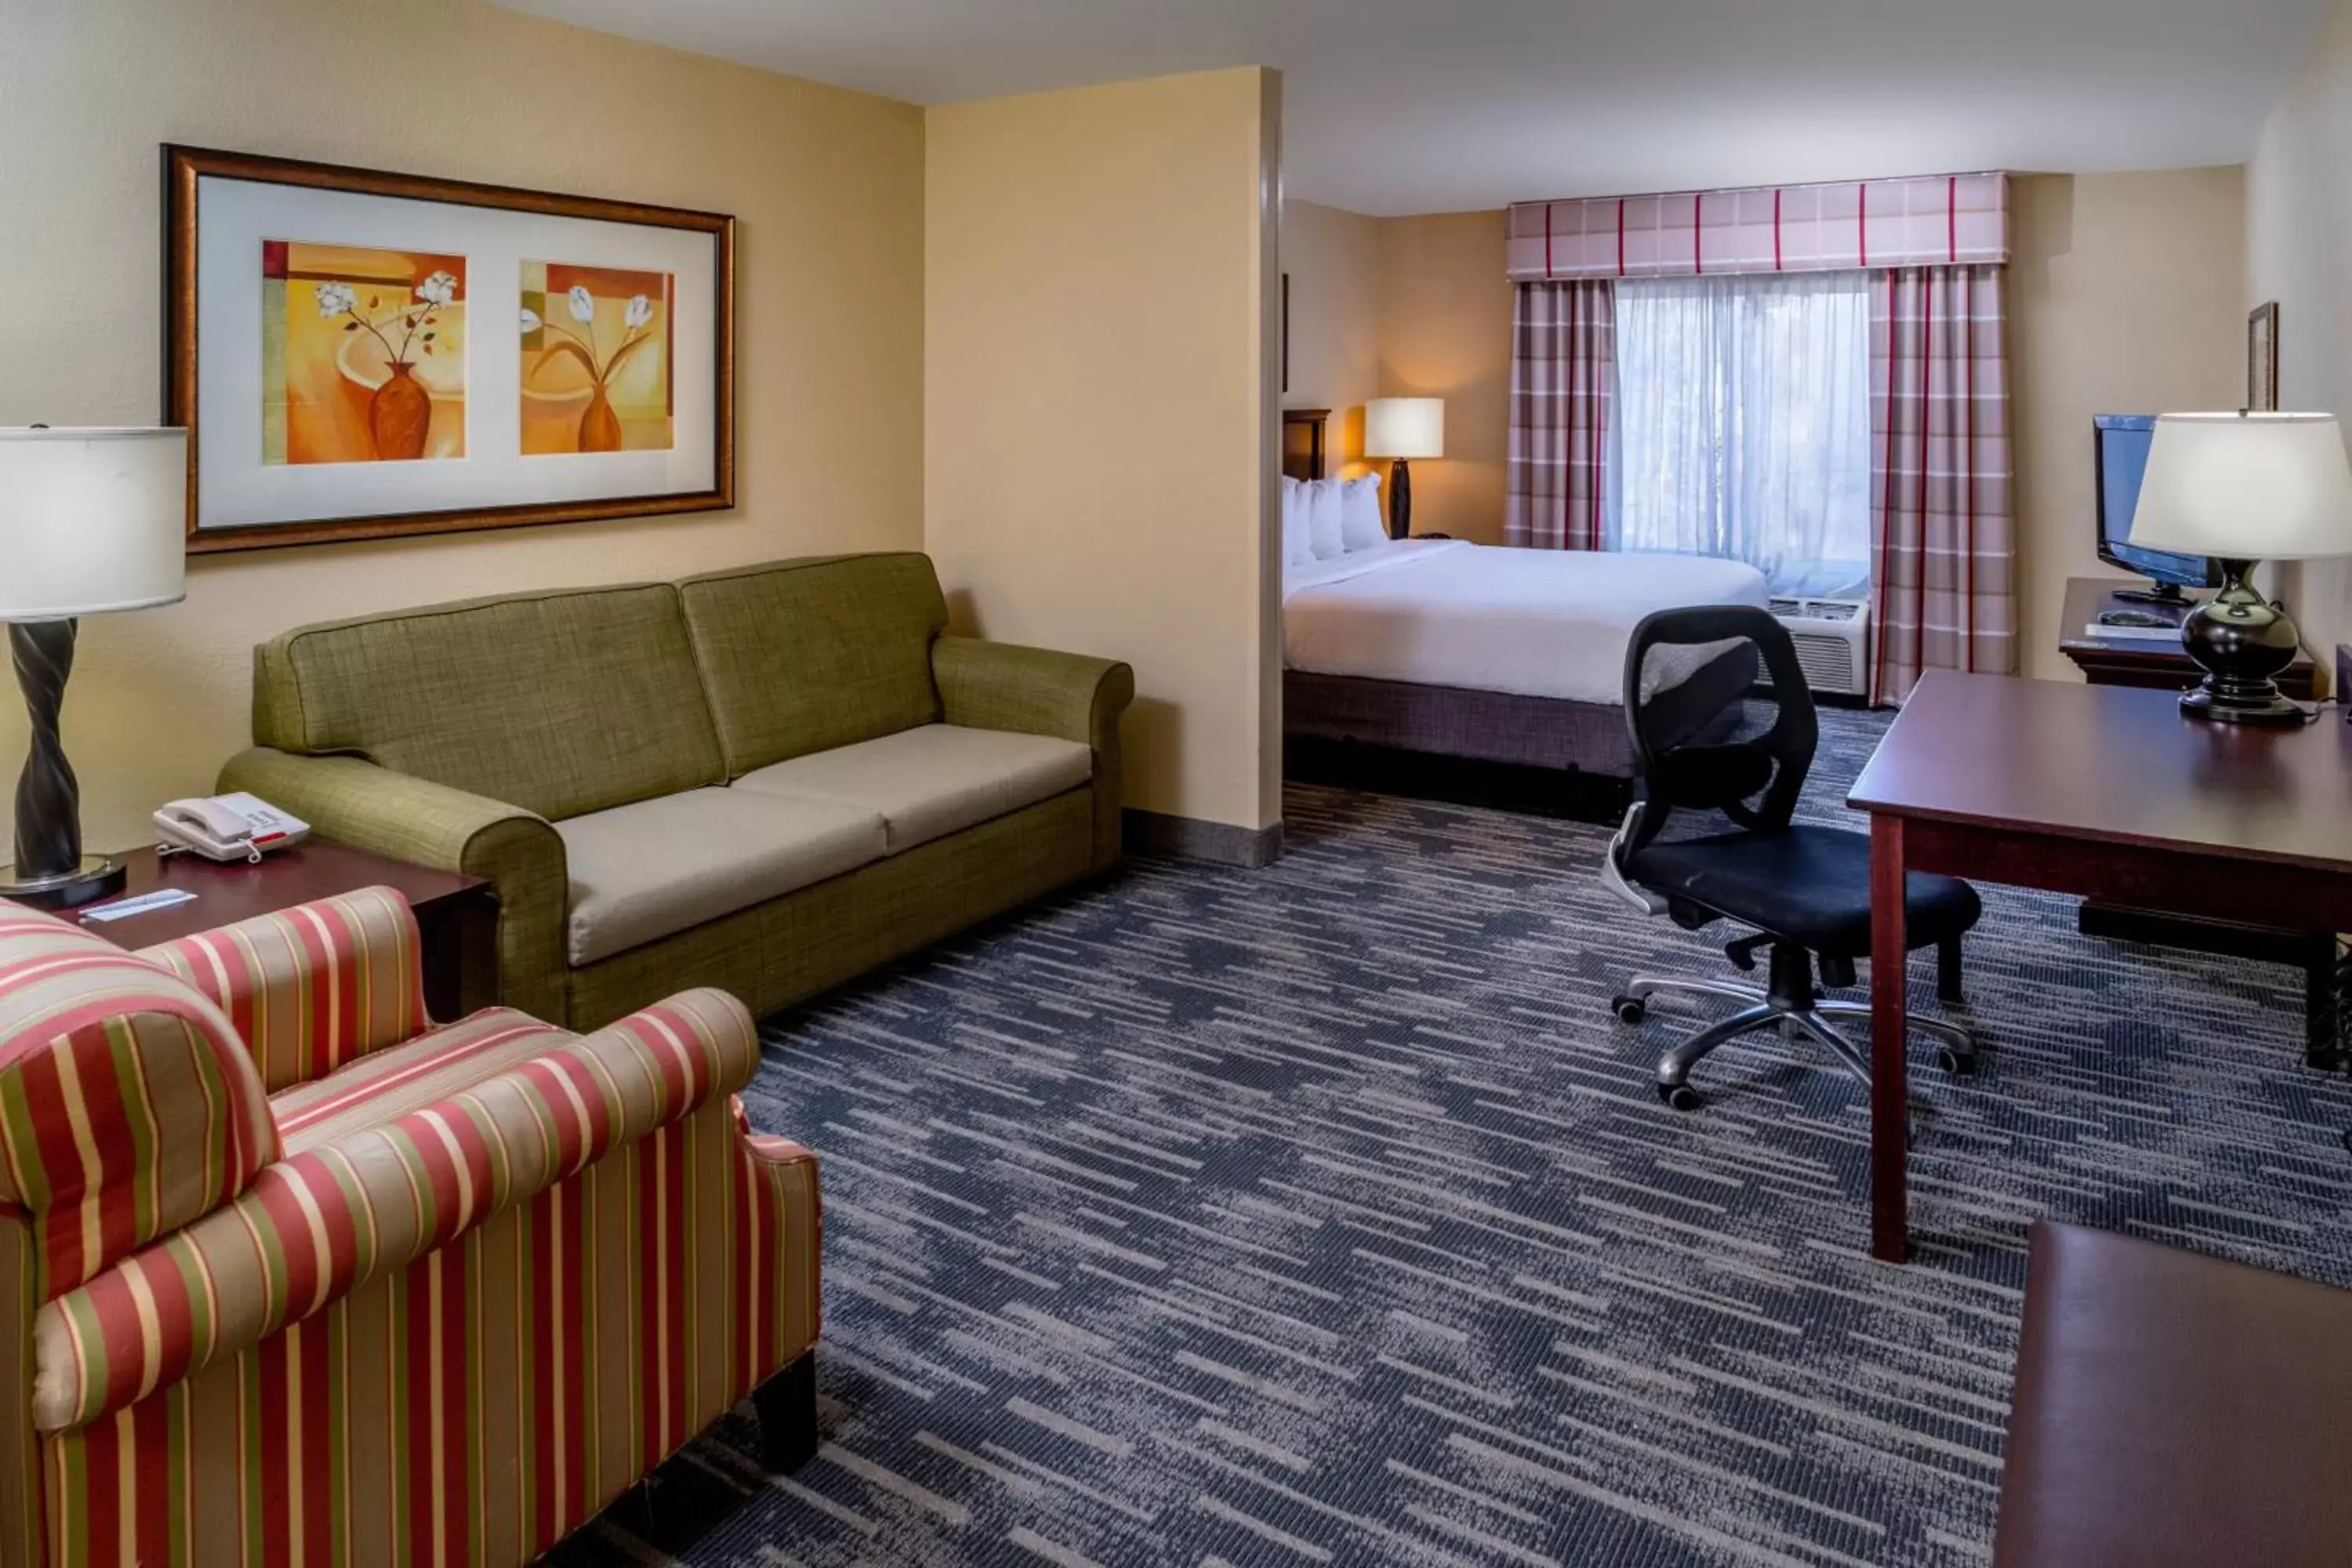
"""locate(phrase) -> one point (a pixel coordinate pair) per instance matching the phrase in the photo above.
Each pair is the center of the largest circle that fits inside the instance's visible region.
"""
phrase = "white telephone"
(236, 826)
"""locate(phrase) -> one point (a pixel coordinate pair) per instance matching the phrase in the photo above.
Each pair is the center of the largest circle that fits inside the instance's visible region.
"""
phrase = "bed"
(1442, 648)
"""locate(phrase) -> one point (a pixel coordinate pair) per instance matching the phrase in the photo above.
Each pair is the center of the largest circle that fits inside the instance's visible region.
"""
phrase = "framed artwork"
(357, 354)
(2262, 358)
(1286, 334)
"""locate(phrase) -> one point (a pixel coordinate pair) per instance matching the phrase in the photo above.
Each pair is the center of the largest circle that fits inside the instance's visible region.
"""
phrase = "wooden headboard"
(1302, 442)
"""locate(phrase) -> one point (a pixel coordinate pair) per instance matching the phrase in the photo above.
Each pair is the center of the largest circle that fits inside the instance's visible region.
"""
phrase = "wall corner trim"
(1191, 838)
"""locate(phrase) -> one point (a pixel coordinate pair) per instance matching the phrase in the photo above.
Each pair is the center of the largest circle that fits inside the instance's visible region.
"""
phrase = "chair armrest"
(341, 1215)
(128, 1105)
(311, 987)
(427, 824)
(1038, 691)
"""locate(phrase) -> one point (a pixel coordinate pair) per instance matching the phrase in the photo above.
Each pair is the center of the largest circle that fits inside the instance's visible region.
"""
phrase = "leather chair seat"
(2174, 1410)
(1811, 885)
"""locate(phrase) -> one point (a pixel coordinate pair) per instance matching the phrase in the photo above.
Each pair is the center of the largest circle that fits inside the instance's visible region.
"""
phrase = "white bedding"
(1537, 623)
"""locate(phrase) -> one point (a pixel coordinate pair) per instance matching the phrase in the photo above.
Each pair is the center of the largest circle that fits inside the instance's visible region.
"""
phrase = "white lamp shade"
(1404, 428)
(2246, 487)
(91, 521)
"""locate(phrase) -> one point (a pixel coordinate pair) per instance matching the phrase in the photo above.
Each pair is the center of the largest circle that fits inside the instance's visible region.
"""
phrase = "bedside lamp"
(2242, 488)
(1404, 428)
(90, 522)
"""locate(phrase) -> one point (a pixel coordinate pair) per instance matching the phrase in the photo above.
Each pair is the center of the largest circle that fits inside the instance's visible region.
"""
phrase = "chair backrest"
(1753, 777)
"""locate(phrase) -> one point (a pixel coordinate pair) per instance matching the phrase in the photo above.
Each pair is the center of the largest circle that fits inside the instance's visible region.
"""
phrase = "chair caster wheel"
(1629, 1009)
(1954, 1062)
(1679, 1096)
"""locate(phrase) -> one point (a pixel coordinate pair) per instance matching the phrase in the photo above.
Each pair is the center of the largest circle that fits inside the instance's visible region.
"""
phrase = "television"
(2119, 455)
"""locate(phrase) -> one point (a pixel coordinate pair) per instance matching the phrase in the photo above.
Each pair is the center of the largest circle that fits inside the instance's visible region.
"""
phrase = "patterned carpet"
(1323, 1215)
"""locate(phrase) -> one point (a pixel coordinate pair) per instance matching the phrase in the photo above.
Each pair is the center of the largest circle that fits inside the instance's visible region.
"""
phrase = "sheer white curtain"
(1743, 424)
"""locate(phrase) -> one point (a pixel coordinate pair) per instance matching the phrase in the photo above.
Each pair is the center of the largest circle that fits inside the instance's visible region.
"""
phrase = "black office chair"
(1804, 890)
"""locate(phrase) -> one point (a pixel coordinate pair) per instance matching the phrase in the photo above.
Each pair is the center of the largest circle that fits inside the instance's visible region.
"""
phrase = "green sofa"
(767, 780)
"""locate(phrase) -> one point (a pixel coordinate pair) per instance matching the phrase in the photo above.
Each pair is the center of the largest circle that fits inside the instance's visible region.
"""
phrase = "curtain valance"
(1942, 220)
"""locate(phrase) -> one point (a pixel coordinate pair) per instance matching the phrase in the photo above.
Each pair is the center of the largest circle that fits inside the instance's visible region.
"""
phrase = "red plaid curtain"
(1942, 569)
(1563, 375)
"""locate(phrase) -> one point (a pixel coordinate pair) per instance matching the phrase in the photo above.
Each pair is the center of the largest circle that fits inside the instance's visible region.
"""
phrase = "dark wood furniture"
(1305, 433)
(457, 916)
(2105, 793)
(2163, 665)
(2137, 661)
(2172, 1409)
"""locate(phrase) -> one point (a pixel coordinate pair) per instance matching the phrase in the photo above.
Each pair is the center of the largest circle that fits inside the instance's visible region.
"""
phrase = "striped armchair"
(288, 1274)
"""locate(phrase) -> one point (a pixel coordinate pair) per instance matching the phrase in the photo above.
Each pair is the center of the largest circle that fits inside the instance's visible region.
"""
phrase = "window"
(1743, 425)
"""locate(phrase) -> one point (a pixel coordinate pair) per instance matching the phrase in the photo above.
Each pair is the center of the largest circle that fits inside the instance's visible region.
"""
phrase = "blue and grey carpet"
(1325, 1214)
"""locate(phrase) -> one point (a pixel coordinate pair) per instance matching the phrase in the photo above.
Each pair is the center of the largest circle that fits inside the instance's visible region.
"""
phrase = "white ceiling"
(1405, 106)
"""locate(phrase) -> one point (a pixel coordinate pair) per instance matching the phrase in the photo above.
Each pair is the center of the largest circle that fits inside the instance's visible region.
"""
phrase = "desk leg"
(2322, 1049)
(1889, 1197)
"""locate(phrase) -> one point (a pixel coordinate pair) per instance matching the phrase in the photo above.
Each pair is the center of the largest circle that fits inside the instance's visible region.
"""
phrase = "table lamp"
(90, 522)
(1403, 429)
(2242, 488)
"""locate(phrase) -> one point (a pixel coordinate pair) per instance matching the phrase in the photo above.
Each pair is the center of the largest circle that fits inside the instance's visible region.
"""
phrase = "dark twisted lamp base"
(51, 872)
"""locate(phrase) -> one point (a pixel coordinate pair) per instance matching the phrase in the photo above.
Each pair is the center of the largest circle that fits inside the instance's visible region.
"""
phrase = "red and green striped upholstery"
(127, 1106)
(498, 1272)
(311, 987)
(333, 1218)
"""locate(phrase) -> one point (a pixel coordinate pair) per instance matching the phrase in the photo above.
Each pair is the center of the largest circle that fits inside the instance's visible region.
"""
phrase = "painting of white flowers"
(595, 359)
(362, 355)
(338, 348)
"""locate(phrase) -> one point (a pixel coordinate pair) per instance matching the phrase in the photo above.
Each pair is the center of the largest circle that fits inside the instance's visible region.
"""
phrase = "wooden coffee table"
(456, 915)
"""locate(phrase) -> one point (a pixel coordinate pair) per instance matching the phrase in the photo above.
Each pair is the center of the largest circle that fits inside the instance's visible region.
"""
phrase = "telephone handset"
(238, 826)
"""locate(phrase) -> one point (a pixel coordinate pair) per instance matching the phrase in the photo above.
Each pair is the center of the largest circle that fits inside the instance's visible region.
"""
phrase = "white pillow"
(1323, 505)
(1362, 526)
(1295, 551)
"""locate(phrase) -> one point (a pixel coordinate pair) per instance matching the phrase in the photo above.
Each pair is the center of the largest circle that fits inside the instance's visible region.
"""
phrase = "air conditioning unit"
(1832, 638)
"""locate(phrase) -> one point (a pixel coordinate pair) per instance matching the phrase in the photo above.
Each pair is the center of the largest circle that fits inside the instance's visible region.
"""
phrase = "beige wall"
(827, 184)
(2125, 300)
(1445, 331)
(2299, 253)
(1100, 440)
(1332, 259)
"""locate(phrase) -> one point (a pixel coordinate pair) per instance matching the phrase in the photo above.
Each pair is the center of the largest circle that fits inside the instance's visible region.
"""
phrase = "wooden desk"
(2137, 661)
(456, 915)
(2099, 791)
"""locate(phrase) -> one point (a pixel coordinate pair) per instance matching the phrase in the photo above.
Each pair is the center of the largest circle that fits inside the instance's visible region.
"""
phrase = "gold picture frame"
(2262, 358)
(296, 294)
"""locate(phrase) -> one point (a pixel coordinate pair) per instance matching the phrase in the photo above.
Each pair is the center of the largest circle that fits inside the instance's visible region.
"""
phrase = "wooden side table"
(456, 915)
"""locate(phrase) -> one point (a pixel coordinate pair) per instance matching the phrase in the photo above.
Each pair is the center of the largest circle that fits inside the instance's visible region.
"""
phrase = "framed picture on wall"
(358, 355)
(2262, 358)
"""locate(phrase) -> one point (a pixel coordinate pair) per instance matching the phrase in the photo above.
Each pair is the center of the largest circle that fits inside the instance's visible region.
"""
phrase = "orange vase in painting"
(600, 427)
(399, 414)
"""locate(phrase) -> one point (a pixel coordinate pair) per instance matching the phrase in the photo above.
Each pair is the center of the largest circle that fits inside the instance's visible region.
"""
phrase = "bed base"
(1497, 748)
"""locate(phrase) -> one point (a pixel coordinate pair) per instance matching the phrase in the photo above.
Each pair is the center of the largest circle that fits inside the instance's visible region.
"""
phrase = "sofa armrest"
(311, 987)
(428, 823)
(1038, 691)
(330, 1220)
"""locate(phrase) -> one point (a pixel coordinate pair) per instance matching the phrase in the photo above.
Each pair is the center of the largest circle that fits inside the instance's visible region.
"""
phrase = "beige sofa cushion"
(645, 870)
(930, 781)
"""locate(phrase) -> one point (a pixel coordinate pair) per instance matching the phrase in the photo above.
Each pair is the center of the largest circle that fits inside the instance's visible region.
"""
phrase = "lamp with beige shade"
(1403, 429)
(91, 521)
(2242, 488)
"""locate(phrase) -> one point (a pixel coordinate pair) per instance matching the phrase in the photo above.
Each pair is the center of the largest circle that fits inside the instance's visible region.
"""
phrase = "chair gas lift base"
(1791, 1001)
